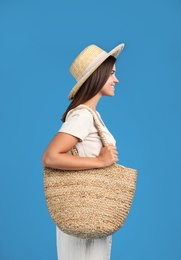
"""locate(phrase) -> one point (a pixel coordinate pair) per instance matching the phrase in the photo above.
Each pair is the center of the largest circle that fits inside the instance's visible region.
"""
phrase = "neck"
(92, 103)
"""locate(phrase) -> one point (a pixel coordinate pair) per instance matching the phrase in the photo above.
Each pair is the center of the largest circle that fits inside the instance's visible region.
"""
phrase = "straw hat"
(87, 62)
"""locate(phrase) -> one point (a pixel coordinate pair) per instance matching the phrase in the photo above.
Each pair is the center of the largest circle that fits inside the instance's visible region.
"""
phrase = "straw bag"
(90, 203)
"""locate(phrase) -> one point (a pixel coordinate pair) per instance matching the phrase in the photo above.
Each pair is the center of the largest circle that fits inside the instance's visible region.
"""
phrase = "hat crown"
(84, 60)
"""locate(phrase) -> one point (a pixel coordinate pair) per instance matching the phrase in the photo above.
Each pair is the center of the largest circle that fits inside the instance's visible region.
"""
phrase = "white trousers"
(73, 248)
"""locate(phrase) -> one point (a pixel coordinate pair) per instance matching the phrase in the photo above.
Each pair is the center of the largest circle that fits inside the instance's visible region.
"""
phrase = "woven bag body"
(90, 203)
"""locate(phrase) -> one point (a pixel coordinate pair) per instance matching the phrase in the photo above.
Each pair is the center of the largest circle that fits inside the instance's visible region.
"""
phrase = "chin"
(110, 95)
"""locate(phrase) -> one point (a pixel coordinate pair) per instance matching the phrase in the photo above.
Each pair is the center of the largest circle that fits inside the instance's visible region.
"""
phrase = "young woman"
(94, 69)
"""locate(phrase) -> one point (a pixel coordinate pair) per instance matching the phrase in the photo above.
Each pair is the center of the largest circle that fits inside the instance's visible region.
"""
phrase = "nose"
(116, 80)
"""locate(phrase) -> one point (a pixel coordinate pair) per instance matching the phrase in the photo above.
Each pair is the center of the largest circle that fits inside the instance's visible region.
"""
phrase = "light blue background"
(38, 41)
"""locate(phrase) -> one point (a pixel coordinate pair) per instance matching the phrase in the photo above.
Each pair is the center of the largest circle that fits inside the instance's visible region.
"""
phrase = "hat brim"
(114, 52)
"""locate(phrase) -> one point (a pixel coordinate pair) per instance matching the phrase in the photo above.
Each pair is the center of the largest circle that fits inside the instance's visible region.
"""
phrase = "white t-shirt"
(80, 124)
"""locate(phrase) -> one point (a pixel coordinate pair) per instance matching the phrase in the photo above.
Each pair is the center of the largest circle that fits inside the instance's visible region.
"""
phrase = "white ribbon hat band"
(99, 57)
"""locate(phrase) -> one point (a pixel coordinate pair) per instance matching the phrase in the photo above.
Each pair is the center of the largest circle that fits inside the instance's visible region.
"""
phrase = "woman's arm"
(56, 155)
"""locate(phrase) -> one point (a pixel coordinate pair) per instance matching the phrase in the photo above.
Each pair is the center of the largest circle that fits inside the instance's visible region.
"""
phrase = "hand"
(108, 155)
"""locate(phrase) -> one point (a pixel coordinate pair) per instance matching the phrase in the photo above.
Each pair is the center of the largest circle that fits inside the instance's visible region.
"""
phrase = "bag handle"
(97, 125)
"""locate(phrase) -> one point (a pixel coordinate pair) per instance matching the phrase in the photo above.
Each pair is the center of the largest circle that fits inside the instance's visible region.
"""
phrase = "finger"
(111, 144)
(114, 150)
(116, 157)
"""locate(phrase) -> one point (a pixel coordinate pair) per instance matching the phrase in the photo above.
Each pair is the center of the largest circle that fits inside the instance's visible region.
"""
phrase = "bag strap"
(97, 125)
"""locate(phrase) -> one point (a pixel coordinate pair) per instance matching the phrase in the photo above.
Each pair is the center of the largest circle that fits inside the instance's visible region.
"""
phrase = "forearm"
(66, 161)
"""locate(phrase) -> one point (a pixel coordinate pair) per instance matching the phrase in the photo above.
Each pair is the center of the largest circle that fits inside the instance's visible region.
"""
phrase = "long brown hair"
(92, 85)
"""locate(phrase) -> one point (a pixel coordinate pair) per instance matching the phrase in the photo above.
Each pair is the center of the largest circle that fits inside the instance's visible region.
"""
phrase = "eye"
(113, 72)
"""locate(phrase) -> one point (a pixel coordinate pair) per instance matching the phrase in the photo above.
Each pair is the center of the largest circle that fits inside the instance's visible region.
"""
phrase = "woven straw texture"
(90, 203)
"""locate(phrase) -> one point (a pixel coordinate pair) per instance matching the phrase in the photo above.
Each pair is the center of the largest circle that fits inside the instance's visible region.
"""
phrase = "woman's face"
(108, 88)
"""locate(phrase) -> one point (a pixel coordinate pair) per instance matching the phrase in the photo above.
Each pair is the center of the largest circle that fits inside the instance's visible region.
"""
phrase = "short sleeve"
(78, 123)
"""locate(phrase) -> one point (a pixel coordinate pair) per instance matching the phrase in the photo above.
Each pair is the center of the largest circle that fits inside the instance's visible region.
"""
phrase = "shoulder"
(79, 123)
(79, 113)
